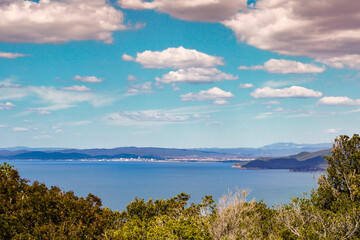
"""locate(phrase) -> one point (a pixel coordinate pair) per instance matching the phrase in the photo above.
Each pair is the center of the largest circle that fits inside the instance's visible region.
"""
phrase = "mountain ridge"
(280, 149)
(303, 161)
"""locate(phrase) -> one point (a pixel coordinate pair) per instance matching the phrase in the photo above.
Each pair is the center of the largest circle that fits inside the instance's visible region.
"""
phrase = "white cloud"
(191, 10)
(90, 79)
(246, 85)
(52, 95)
(44, 136)
(283, 83)
(3, 126)
(54, 98)
(148, 117)
(7, 105)
(285, 67)
(217, 95)
(9, 90)
(60, 99)
(128, 58)
(58, 21)
(291, 92)
(175, 58)
(350, 61)
(59, 130)
(146, 85)
(278, 109)
(11, 55)
(333, 130)
(195, 75)
(338, 101)
(263, 115)
(131, 78)
(77, 88)
(271, 103)
(322, 29)
(141, 88)
(20, 129)
(40, 111)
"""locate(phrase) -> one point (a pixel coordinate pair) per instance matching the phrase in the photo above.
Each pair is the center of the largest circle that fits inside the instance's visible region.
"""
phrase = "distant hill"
(273, 150)
(278, 149)
(303, 161)
(123, 152)
(20, 148)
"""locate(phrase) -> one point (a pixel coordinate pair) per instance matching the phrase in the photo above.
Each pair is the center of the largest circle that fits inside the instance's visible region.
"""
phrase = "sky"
(178, 73)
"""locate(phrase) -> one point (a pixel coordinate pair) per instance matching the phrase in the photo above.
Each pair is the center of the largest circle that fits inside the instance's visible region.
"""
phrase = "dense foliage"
(33, 211)
(332, 211)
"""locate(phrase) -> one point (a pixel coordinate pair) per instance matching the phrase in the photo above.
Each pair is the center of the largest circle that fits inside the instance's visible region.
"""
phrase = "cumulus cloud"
(322, 29)
(246, 85)
(58, 21)
(11, 55)
(291, 92)
(148, 117)
(283, 83)
(128, 58)
(217, 95)
(191, 10)
(350, 61)
(141, 88)
(174, 58)
(195, 75)
(285, 67)
(77, 88)
(338, 101)
(7, 105)
(90, 79)
(20, 129)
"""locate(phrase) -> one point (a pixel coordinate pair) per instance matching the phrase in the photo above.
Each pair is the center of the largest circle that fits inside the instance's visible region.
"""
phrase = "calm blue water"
(118, 183)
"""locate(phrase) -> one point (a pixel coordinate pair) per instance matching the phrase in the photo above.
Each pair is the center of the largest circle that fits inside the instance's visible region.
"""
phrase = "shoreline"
(138, 160)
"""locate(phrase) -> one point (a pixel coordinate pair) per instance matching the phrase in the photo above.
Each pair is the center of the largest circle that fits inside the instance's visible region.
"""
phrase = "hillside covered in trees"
(304, 161)
(332, 211)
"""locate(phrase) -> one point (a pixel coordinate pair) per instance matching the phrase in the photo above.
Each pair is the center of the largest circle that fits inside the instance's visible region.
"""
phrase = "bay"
(118, 183)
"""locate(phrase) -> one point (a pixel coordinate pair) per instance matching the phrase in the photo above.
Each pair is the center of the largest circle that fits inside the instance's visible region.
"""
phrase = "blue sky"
(170, 73)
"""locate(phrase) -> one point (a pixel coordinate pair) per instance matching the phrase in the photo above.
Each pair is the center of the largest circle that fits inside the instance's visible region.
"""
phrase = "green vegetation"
(304, 161)
(332, 211)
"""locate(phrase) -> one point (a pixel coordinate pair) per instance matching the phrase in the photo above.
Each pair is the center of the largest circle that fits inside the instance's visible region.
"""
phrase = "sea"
(118, 183)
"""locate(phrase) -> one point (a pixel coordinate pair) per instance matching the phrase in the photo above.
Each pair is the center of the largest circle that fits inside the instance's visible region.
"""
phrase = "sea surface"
(118, 183)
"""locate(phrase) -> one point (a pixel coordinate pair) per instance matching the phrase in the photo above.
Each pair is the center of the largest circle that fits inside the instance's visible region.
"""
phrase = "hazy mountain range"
(273, 150)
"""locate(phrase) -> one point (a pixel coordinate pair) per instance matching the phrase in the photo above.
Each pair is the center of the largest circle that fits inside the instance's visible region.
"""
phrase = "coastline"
(139, 160)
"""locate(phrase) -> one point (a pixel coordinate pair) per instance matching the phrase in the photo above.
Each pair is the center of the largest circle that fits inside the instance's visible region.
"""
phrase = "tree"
(37, 212)
(343, 172)
(173, 218)
(342, 180)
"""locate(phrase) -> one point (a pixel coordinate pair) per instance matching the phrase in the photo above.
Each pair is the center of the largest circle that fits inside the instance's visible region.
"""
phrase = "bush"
(37, 212)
